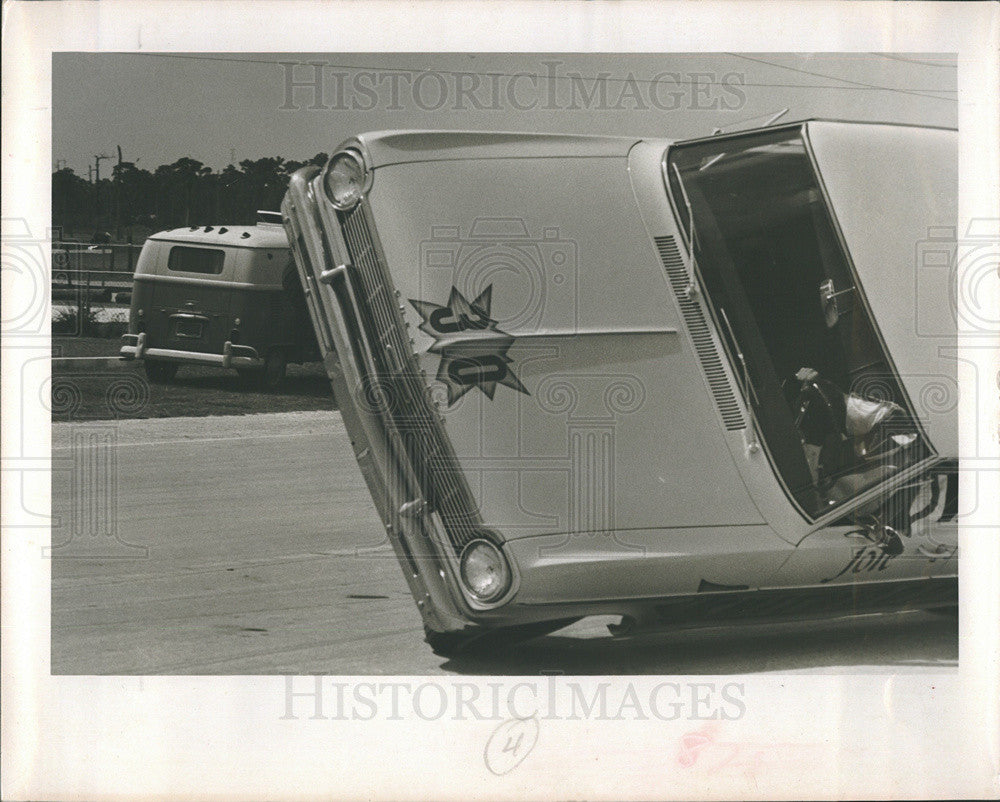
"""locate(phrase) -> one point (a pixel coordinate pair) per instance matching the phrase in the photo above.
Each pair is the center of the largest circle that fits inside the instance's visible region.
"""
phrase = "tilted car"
(681, 382)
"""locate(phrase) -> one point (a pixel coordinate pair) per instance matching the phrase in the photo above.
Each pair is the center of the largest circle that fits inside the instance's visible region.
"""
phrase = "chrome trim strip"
(155, 278)
(478, 337)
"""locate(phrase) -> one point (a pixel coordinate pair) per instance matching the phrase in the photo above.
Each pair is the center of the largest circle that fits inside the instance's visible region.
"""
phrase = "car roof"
(382, 148)
(813, 122)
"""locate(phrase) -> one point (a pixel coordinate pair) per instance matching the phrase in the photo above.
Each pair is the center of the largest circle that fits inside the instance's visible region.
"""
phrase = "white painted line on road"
(70, 364)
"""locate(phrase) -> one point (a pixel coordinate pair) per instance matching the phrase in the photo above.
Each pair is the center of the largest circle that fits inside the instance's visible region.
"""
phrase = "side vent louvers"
(711, 363)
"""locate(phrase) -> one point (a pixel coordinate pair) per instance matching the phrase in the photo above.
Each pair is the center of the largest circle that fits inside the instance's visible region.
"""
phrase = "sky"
(222, 108)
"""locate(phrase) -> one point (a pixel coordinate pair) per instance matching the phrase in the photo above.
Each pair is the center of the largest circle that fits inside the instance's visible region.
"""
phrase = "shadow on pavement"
(882, 641)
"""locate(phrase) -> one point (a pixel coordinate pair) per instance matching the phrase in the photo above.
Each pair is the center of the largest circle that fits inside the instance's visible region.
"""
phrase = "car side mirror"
(828, 300)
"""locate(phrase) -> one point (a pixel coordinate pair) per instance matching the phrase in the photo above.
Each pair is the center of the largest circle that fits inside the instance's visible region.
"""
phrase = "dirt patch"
(124, 392)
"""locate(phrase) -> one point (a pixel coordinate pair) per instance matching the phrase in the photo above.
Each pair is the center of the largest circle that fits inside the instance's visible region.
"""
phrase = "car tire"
(480, 640)
(160, 372)
(275, 366)
(270, 376)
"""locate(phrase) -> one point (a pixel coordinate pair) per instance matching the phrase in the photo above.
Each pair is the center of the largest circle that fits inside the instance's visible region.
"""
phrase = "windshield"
(831, 411)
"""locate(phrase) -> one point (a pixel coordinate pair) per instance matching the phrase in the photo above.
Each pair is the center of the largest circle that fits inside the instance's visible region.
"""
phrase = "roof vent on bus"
(223, 230)
(208, 228)
(245, 235)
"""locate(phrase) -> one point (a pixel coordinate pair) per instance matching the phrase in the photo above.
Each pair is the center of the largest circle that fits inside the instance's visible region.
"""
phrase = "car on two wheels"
(675, 381)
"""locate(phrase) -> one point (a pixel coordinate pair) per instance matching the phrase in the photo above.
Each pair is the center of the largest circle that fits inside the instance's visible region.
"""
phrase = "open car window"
(833, 416)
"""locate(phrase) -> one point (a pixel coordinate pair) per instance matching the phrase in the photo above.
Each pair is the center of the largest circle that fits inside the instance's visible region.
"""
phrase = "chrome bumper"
(232, 356)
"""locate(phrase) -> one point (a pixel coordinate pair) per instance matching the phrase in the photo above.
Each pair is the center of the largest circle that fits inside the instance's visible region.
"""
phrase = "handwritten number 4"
(513, 747)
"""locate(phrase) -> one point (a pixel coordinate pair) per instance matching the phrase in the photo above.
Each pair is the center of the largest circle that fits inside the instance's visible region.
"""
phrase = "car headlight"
(485, 572)
(344, 179)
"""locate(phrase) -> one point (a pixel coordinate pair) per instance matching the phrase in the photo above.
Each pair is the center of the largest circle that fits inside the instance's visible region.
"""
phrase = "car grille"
(398, 394)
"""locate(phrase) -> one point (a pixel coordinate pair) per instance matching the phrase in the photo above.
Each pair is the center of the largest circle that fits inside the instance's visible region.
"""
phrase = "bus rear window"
(196, 260)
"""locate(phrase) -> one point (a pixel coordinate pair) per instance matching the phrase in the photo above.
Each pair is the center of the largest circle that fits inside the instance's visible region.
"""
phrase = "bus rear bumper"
(232, 356)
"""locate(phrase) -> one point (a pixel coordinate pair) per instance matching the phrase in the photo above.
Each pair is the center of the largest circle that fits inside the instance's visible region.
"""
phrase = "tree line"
(134, 202)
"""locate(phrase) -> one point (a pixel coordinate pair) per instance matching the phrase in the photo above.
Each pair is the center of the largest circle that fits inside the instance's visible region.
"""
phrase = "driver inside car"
(845, 436)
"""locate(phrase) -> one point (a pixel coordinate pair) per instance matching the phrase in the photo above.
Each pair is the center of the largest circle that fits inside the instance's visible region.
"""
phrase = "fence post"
(81, 296)
(86, 311)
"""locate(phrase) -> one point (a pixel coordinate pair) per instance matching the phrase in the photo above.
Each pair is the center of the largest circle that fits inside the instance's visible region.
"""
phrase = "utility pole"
(97, 184)
(90, 206)
(97, 165)
(118, 196)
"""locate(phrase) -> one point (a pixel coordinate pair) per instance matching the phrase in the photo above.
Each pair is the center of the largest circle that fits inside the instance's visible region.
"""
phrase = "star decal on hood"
(473, 349)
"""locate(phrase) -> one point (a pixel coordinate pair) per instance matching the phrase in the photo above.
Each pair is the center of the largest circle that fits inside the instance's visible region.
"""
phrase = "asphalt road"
(249, 545)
